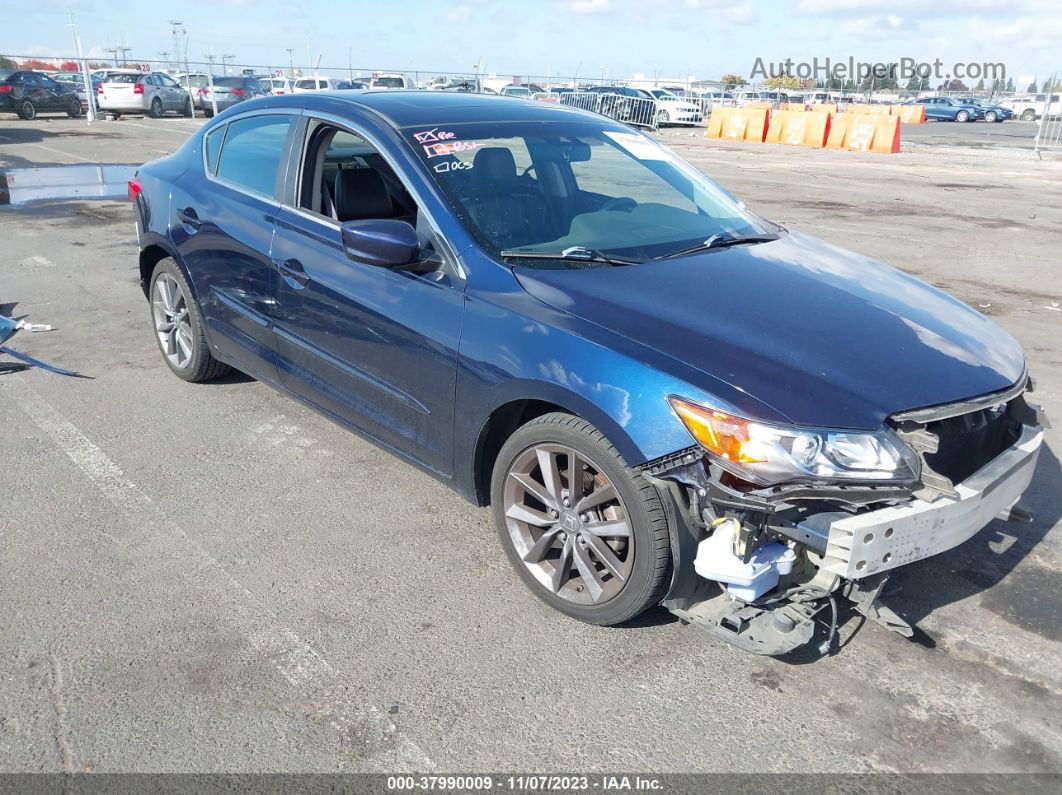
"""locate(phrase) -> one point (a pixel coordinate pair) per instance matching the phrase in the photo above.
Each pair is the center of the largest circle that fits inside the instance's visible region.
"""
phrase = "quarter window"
(253, 151)
(213, 147)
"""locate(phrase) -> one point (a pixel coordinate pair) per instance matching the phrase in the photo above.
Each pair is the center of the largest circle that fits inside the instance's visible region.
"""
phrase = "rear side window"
(252, 152)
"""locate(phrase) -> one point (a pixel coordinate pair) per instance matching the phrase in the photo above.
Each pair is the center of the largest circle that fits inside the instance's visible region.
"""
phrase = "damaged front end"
(760, 564)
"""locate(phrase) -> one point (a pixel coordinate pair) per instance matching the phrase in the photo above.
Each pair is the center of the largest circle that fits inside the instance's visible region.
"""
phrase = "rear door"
(223, 227)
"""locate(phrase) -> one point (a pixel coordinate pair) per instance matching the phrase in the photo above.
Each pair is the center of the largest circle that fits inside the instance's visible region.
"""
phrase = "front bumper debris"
(862, 544)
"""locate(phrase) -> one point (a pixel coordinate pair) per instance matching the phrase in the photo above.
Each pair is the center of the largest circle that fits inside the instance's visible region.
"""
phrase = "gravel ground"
(214, 578)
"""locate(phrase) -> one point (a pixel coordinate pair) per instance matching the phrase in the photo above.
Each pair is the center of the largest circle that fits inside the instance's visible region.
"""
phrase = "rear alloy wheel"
(155, 111)
(27, 110)
(1028, 115)
(73, 109)
(662, 117)
(991, 116)
(586, 533)
(178, 326)
(962, 115)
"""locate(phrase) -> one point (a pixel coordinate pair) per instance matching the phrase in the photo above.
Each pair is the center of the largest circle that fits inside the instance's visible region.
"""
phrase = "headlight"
(770, 454)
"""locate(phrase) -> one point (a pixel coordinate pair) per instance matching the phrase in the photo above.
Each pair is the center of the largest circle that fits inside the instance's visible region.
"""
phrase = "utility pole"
(165, 57)
(113, 51)
(210, 84)
(125, 52)
(224, 65)
(89, 94)
(175, 26)
(291, 62)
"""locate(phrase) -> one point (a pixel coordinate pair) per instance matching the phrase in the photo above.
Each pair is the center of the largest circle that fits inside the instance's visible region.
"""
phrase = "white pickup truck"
(1029, 107)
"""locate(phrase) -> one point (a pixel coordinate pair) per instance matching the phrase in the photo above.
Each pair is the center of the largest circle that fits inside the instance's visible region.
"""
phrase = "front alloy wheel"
(586, 533)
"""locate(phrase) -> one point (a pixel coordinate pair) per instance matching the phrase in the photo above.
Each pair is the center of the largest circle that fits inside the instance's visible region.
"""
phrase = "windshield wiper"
(720, 241)
(578, 253)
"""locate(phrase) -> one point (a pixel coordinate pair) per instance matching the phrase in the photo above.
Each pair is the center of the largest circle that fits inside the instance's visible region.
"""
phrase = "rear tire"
(73, 110)
(640, 548)
(27, 110)
(171, 298)
(155, 111)
(1028, 115)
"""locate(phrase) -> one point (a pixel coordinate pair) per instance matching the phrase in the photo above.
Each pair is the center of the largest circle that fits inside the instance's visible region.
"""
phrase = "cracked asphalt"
(203, 578)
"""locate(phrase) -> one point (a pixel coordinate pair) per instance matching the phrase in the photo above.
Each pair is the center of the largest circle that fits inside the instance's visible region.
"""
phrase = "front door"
(371, 346)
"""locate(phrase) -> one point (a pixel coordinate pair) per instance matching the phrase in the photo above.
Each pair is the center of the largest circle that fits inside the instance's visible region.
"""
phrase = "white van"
(391, 81)
(306, 85)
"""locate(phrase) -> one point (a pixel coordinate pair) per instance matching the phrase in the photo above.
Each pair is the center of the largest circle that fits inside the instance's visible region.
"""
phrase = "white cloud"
(587, 6)
(459, 14)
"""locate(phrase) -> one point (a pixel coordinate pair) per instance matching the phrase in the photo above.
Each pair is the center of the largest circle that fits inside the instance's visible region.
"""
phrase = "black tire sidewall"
(29, 115)
(632, 599)
(155, 110)
(74, 109)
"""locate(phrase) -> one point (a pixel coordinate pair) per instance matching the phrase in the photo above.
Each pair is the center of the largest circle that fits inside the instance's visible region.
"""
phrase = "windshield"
(543, 187)
(389, 82)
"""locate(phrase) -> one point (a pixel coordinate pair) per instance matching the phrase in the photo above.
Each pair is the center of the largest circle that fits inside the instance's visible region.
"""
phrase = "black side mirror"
(383, 242)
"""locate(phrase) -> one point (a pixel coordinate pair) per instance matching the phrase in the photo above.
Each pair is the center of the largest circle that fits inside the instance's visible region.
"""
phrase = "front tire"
(179, 327)
(27, 110)
(962, 115)
(991, 116)
(188, 112)
(586, 533)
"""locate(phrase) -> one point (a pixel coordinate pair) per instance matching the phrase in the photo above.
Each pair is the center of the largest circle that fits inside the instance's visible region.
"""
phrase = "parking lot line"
(302, 666)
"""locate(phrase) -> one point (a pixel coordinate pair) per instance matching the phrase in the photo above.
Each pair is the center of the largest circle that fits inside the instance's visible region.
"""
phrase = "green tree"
(980, 86)
(1010, 83)
(1032, 89)
(785, 81)
(730, 80)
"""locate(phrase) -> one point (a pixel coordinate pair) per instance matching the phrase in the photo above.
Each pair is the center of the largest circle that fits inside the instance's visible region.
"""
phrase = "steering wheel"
(620, 203)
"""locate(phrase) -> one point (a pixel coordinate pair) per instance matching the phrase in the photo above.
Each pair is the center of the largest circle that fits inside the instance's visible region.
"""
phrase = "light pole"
(89, 95)
(291, 62)
(210, 86)
(224, 65)
(113, 51)
(125, 53)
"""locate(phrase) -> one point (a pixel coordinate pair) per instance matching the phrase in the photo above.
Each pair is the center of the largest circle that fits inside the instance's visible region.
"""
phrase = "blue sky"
(591, 38)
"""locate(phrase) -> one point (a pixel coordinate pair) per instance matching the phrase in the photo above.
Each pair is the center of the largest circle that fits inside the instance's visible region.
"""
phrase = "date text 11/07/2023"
(524, 783)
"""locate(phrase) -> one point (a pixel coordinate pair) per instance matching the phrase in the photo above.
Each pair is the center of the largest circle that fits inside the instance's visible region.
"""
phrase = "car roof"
(408, 108)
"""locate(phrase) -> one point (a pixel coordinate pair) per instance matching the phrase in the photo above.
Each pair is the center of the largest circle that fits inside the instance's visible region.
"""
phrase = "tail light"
(99, 88)
(133, 189)
(237, 92)
(5, 89)
(203, 92)
(138, 88)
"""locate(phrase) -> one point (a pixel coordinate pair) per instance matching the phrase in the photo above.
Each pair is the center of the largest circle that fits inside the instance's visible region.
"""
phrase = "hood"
(824, 336)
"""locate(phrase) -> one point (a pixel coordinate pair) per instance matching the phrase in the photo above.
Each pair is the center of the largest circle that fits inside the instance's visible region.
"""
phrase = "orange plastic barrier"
(760, 105)
(856, 107)
(738, 124)
(864, 132)
(911, 114)
(825, 107)
(798, 128)
(792, 106)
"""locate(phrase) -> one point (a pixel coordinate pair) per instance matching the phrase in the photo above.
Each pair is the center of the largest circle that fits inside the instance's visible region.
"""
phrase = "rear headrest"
(493, 169)
(361, 193)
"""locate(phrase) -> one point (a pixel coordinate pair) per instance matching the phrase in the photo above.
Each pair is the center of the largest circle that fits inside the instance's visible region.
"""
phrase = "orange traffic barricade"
(825, 107)
(911, 114)
(738, 124)
(864, 132)
(798, 128)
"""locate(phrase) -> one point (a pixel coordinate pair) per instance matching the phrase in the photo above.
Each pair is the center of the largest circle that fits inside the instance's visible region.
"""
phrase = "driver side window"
(345, 178)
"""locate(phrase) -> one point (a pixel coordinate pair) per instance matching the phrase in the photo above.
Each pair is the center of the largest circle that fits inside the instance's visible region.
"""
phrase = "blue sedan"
(948, 109)
(992, 112)
(665, 398)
